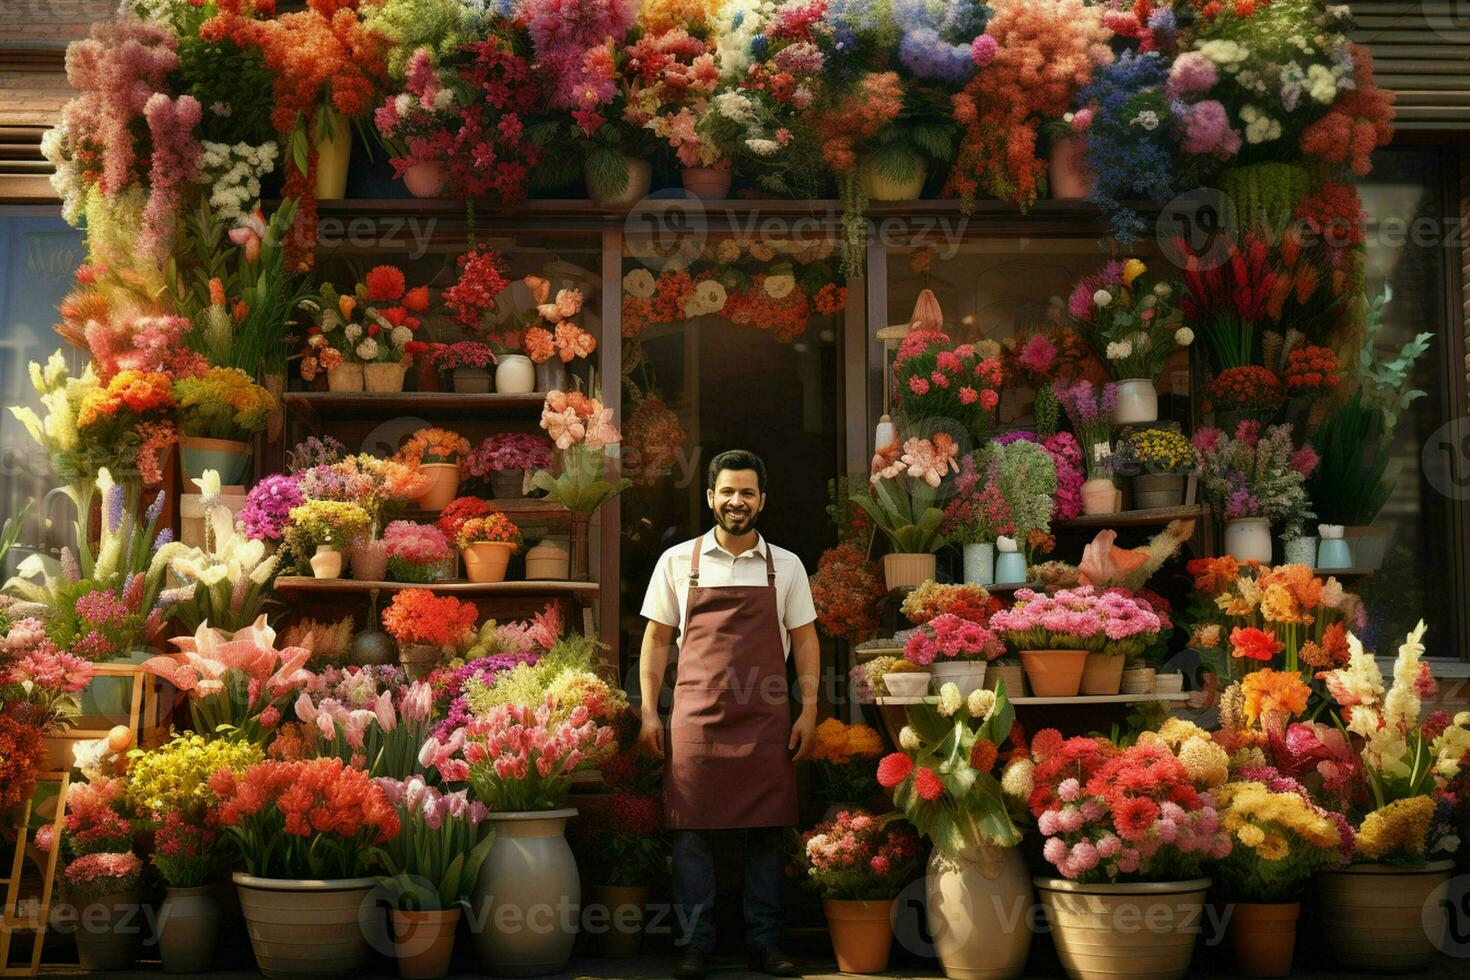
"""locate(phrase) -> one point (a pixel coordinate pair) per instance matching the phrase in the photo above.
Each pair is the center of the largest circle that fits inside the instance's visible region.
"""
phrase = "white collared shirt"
(667, 598)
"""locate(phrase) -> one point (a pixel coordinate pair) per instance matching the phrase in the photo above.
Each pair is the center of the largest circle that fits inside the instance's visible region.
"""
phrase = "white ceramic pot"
(1248, 539)
(528, 893)
(327, 562)
(979, 562)
(1170, 683)
(1138, 401)
(515, 375)
(967, 675)
(907, 684)
(979, 909)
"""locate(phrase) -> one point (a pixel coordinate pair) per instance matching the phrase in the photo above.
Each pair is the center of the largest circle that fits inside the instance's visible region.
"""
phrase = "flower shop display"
(416, 552)
(859, 863)
(425, 626)
(954, 649)
(360, 338)
(1254, 479)
(901, 499)
(1158, 462)
(842, 761)
(846, 590)
(936, 380)
(486, 544)
(438, 845)
(306, 833)
(354, 716)
(217, 415)
(1089, 408)
(1130, 319)
(502, 461)
(581, 429)
(1128, 827)
(322, 529)
(468, 362)
(950, 781)
(1060, 636)
(438, 453)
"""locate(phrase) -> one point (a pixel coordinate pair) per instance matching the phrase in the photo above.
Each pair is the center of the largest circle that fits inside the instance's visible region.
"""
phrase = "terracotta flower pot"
(443, 485)
(707, 183)
(383, 377)
(622, 906)
(1054, 673)
(901, 570)
(486, 561)
(1264, 937)
(1144, 931)
(862, 935)
(369, 561)
(345, 377)
(1099, 496)
(305, 928)
(1102, 673)
(425, 180)
(424, 942)
(1374, 915)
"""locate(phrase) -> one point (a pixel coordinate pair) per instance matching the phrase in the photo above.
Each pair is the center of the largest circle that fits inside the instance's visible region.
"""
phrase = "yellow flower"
(1250, 835)
(1132, 269)
(1398, 829)
(1274, 847)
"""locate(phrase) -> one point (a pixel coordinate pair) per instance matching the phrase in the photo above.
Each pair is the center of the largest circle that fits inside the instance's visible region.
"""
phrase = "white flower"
(1148, 119)
(711, 296)
(368, 349)
(1119, 350)
(1101, 298)
(1163, 290)
(1321, 84)
(1184, 336)
(762, 147)
(401, 336)
(1259, 127)
(1018, 779)
(639, 283)
(949, 699)
(908, 740)
(353, 332)
(733, 105)
(980, 703)
(779, 287)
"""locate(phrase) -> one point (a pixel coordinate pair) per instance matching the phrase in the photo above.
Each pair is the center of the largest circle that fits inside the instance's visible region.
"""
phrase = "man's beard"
(746, 522)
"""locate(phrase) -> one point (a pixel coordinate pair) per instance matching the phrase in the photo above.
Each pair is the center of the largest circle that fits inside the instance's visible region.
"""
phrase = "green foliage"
(1356, 475)
(1265, 193)
(910, 521)
(219, 74)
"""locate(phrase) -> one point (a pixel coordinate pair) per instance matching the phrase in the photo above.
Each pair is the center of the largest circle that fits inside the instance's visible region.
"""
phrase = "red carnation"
(417, 299)
(927, 784)
(1254, 644)
(894, 769)
(384, 282)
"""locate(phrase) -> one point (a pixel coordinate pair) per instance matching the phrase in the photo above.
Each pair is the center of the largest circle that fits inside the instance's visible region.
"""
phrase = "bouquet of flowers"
(1229, 301)
(1143, 813)
(1089, 407)
(857, 856)
(1255, 474)
(319, 523)
(507, 451)
(948, 637)
(846, 590)
(313, 819)
(433, 446)
(944, 778)
(473, 293)
(459, 510)
(842, 759)
(1020, 487)
(901, 493)
(268, 507)
(416, 125)
(101, 873)
(373, 324)
(39, 682)
(581, 428)
(223, 404)
(1131, 322)
(377, 486)
(438, 842)
(419, 617)
(1157, 451)
(933, 599)
(132, 415)
(173, 779)
(381, 736)
(1078, 619)
(495, 527)
(1249, 389)
(1280, 838)
(231, 574)
(936, 380)
(561, 338)
(1311, 371)
(464, 353)
(672, 75)
(416, 552)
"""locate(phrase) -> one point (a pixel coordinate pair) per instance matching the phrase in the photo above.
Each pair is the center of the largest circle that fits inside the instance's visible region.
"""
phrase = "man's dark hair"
(738, 459)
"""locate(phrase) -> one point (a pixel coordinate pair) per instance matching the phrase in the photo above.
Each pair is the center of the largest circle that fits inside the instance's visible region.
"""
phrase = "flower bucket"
(1368, 544)
(345, 377)
(486, 561)
(862, 934)
(880, 187)
(307, 928)
(550, 560)
(326, 563)
(515, 375)
(979, 562)
(425, 180)
(188, 929)
(1012, 675)
(967, 675)
(1375, 915)
(1158, 490)
(424, 942)
(978, 905)
(383, 377)
(443, 485)
(1102, 673)
(1138, 401)
(1264, 937)
(1067, 176)
(508, 484)
(528, 871)
(1144, 930)
(471, 380)
(1099, 496)
(907, 683)
(109, 931)
(230, 457)
(707, 183)
(634, 189)
(1054, 673)
(1248, 539)
(902, 570)
(624, 905)
(1137, 680)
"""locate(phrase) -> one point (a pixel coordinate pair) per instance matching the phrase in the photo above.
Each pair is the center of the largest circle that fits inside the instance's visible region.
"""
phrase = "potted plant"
(859, 863)
(415, 124)
(438, 453)
(1089, 407)
(431, 866)
(1132, 628)
(1133, 324)
(40, 691)
(967, 520)
(1280, 839)
(633, 851)
(524, 758)
(551, 340)
(842, 761)
(1159, 461)
(218, 414)
(1247, 392)
(949, 781)
(906, 679)
(304, 884)
(582, 430)
(328, 526)
(426, 626)
(1130, 832)
(360, 338)
(1054, 635)
(900, 500)
(955, 650)
(486, 544)
(104, 887)
(503, 460)
(1253, 479)
(1395, 866)
(940, 381)
(416, 552)
(468, 362)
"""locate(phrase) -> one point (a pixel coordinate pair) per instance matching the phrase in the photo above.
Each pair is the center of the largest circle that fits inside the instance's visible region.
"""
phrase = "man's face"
(736, 500)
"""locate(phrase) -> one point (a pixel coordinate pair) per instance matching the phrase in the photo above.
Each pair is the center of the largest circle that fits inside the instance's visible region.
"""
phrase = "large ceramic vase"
(109, 931)
(1144, 930)
(228, 457)
(423, 942)
(1263, 937)
(862, 933)
(901, 570)
(525, 908)
(1137, 401)
(979, 907)
(1248, 539)
(1054, 673)
(1375, 915)
(307, 928)
(622, 910)
(188, 928)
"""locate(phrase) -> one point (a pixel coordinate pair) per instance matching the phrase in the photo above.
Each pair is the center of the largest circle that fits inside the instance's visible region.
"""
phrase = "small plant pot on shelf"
(1300, 551)
(486, 561)
(345, 377)
(1368, 544)
(549, 560)
(1012, 675)
(633, 189)
(1170, 683)
(471, 380)
(979, 562)
(327, 562)
(1152, 490)
(423, 942)
(508, 484)
(1137, 680)
(1248, 539)
(443, 485)
(551, 375)
(880, 185)
(384, 377)
(1102, 673)
(369, 561)
(902, 570)
(425, 179)
(907, 683)
(1100, 496)
(1054, 673)
(967, 675)
(707, 183)
(515, 375)
(861, 935)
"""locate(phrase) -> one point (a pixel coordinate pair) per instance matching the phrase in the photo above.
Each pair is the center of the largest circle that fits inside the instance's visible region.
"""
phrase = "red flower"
(384, 283)
(894, 769)
(1254, 644)
(983, 755)
(927, 784)
(417, 299)
(1135, 816)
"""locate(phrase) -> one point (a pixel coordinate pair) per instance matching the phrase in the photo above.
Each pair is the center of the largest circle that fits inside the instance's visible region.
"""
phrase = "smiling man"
(741, 606)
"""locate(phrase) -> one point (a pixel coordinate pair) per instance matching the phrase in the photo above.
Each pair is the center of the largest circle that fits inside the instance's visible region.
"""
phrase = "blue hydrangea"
(1129, 161)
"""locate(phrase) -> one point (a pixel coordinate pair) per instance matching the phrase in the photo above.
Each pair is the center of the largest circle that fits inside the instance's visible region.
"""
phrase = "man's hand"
(803, 734)
(651, 735)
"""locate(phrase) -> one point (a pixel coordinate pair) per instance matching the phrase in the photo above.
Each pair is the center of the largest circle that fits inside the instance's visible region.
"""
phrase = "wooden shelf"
(439, 404)
(521, 510)
(1342, 572)
(1136, 518)
(304, 585)
(1080, 699)
(904, 590)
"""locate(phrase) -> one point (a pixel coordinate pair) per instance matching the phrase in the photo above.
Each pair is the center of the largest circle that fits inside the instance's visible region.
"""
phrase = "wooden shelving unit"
(435, 404)
(1080, 700)
(1139, 518)
(301, 585)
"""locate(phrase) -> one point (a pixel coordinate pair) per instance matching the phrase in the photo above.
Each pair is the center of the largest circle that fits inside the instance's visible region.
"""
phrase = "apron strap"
(694, 560)
(770, 567)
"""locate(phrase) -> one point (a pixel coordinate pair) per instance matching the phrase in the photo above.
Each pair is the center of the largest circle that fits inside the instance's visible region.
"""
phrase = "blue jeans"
(694, 884)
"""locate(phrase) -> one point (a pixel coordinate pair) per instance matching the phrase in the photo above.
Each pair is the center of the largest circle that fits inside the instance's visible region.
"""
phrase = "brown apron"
(729, 764)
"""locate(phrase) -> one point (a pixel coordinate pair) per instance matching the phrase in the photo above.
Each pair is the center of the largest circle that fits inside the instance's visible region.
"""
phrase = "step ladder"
(12, 923)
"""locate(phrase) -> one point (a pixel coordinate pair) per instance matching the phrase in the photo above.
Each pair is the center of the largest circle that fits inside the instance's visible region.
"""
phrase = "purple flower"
(166, 536)
(156, 508)
(114, 509)
(268, 506)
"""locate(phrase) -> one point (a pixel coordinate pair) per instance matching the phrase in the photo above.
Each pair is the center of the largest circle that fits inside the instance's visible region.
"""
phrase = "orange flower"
(538, 344)
(573, 342)
(540, 288)
(1254, 644)
(1274, 692)
(1213, 576)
